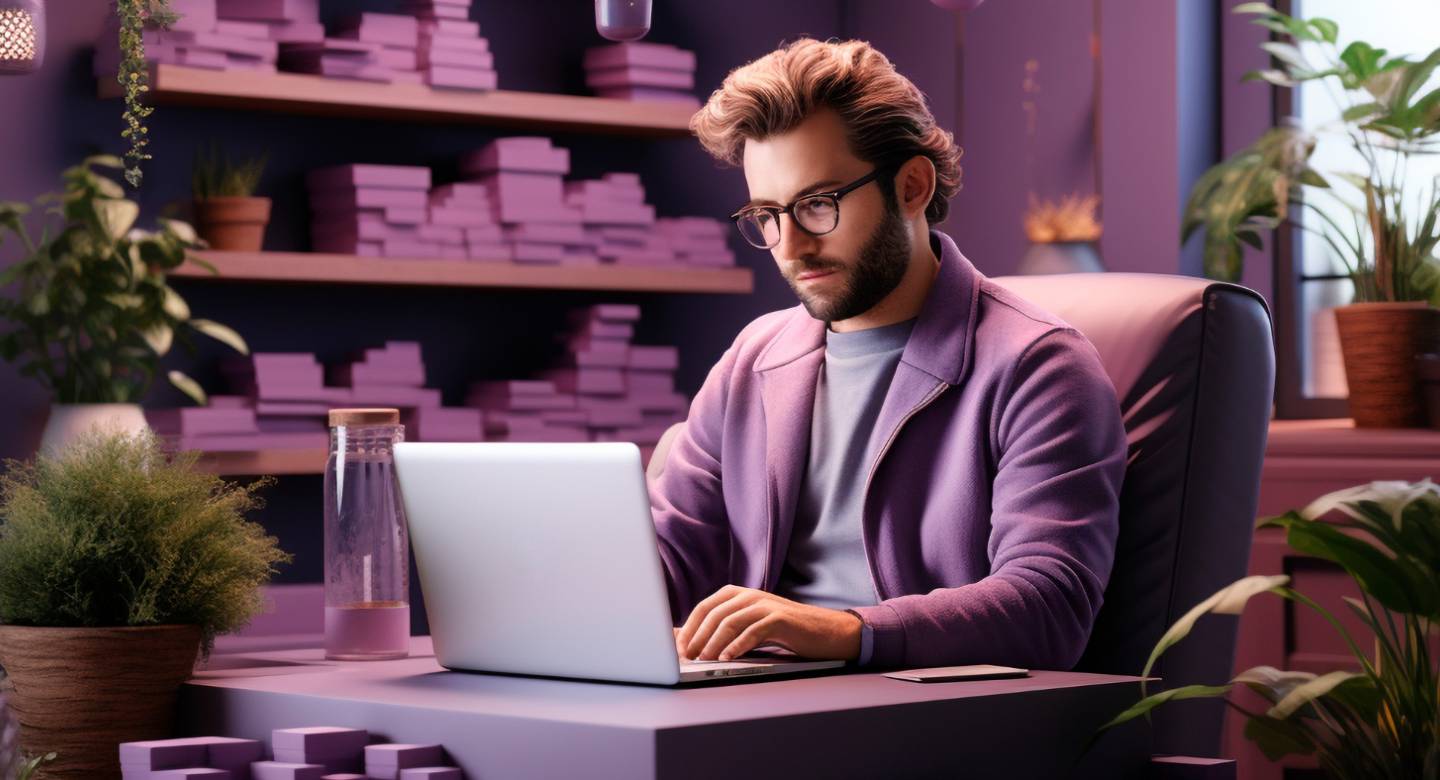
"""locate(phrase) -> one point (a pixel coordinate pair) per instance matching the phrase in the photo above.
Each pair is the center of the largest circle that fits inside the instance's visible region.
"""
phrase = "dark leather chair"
(1194, 369)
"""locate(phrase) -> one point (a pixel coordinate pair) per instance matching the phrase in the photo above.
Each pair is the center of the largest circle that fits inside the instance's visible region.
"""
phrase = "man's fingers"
(731, 627)
(697, 616)
(757, 633)
(702, 636)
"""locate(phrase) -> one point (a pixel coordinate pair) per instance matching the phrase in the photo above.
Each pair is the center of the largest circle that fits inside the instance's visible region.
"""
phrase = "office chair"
(1193, 365)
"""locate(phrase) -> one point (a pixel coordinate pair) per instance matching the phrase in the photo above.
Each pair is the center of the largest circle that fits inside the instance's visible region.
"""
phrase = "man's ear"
(915, 185)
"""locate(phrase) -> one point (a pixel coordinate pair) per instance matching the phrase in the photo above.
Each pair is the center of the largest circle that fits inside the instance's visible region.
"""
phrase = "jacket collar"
(941, 342)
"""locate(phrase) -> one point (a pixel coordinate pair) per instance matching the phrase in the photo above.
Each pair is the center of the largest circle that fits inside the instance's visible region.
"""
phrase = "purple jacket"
(990, 515)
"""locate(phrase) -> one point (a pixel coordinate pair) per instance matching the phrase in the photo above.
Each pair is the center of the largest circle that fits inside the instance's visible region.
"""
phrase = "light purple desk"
(853, 725)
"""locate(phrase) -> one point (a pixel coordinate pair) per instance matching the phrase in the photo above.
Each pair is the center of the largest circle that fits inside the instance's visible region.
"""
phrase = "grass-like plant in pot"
(118, 563)
(1380, 719)
(1389, 233)
(92, 313)
(228, 214)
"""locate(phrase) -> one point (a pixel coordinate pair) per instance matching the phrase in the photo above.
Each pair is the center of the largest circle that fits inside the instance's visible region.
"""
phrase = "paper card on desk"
(949, 673)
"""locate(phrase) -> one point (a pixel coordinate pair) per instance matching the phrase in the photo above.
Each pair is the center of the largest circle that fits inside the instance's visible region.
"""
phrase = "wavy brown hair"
(885, 115)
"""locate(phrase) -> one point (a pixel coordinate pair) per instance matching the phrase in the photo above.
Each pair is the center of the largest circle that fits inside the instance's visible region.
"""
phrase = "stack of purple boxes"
(451, 51)
(522, 180)
(697, 241)
(202, 37)
(281, 21)
(395, 376)
(642, 71)
(605, 388)
(315, 753)
(371, 210)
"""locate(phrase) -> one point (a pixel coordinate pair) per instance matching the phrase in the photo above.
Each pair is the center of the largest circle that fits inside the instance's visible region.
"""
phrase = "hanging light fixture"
(620, 20)
(22, 36)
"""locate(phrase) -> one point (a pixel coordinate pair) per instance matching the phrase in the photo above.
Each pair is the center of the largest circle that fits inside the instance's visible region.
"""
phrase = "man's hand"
(735, 620)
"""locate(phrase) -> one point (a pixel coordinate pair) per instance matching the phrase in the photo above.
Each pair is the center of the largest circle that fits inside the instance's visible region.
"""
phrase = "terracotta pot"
(82, 691)
(233, 224)
(1380, 342)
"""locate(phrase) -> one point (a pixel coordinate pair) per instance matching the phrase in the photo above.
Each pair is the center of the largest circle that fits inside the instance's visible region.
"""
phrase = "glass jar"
(367, 546)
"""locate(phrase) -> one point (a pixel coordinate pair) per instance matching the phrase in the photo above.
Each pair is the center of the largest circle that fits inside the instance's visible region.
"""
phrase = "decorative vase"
(1060, 257)
(1380, 342)
(68, 422)
(80, 692)
(233, 224)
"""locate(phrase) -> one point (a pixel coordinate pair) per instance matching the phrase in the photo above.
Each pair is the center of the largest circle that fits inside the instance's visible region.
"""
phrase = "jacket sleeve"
(688, 504)
(1061, 450)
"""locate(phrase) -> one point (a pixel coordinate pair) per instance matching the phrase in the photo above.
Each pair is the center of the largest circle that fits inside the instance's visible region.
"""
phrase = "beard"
(882, 264)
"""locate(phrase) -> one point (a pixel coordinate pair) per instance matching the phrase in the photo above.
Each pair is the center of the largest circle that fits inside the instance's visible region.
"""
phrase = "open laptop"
(541, 559)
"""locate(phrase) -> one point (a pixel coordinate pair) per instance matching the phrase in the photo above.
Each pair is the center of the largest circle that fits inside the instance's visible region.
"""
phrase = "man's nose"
(794, 242)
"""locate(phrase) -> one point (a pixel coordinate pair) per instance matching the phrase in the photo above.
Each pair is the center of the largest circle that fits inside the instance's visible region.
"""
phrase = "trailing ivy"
(134, 75)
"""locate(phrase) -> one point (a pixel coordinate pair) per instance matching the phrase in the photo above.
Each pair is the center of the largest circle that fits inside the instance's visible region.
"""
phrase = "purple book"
(461, 192)
(197, 15)
(577, 257)
(544, 233)
(455, 58)
(521, 154)
(648, 94)
(592, 381)
(336, 68)
(397, 58)
(636, 255)
(389, 29)
(484, 234)
(313, 424)
(284, 770)
(463, 217)
(452, 235)
(155, 754)
(321, 741)
(640, 77)
(429, 11)
(654, 358)
(644, 55)
(290, 409)
(605, 190)
(530, 387)
(364, 231)
(631, 235)
(357, 374)
(270, 10)
(358, 175)
(515, 211)
(454, 45)
(530, 252)
(489, 253)
(565, 417)
(591, 358)
(450, 28)
(503, 422)
(350, 198)
(618, 213)
(596, 329)
(410, 248)
(295, 31)
(643, 382)
(709, 260)
(360, 50)
(524, 189)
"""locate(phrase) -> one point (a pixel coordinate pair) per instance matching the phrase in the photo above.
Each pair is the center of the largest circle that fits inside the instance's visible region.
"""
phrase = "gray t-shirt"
(825, 565)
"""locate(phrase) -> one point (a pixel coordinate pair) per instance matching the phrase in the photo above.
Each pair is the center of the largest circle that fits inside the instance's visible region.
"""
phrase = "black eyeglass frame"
(833, 195)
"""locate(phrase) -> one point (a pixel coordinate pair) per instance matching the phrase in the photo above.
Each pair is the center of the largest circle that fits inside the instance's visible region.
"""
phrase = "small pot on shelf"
(233, 223)
(1380, 343)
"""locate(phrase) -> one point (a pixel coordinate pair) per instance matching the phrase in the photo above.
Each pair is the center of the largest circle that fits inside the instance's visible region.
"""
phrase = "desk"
(851, 725)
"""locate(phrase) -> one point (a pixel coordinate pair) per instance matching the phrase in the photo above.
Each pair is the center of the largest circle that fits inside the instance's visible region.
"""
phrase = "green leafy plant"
(1384, 719)
(1387, 249)
(113, 531)
(134, 75)
(93, 313)
(215, 176)
(26, 768)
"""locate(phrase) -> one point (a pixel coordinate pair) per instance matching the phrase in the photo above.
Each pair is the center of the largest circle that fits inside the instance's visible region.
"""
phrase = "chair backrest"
(1193, 365)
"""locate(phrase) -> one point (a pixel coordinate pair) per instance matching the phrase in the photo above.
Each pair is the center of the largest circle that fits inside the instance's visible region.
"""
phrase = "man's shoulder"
(760, 332)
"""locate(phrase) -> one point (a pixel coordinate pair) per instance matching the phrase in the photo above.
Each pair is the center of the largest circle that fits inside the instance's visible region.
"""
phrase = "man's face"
(849, 270)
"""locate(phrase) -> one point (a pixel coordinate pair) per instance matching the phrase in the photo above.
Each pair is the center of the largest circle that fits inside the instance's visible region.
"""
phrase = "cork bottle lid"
(364, 417)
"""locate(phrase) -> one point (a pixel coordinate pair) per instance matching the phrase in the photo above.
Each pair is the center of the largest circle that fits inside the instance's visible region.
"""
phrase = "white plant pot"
(69, 421)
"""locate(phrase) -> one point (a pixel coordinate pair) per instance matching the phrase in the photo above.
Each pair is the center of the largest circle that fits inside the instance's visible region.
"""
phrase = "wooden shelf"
(316, 267)
(299, 93)
(258, 462)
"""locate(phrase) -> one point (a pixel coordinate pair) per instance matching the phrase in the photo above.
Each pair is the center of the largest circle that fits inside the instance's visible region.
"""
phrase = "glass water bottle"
(367, 547)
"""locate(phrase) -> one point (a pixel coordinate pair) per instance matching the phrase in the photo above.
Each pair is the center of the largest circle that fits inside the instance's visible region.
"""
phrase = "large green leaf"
(1229, 600)
(222, 334)
(1307, 693)
(1387, 579)
(188, 386)
(1145, 705)
(118, 216)
(1278, 738)
(1274, 684)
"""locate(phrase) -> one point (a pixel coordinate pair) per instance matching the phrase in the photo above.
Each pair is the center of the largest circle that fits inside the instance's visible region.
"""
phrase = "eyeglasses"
(816, 214)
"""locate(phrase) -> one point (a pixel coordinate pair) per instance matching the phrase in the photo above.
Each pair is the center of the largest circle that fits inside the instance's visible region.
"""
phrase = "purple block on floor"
(205, 773)
(457, 58)
(649, 382)
(643, 55)
(352, 176)
(384, 762)
(650, 94)
(269, 10)
(640, 77)
(431, 773)
(517, 153)
(450, 77)
(654, 358)
(164, 753)
(349, 198)
(284, 770)
(598, 381)
(450, 28)
(399, 30)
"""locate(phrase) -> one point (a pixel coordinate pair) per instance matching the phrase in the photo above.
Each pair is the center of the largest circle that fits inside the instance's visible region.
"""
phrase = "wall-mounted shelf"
(316, 267)
(298, 93)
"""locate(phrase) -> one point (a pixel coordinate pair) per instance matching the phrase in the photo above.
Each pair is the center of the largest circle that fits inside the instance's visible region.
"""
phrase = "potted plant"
(93, 314)
(1387, 248)
(1383, 719)
(118, 563)
(227, 212)
(1062, 236)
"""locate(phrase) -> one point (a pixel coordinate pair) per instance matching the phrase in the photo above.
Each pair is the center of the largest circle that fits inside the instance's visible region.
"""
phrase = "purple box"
(484, 234)
(461, 192)
(290, 425)
(197, 15)
(595, 329)
(452, 59)
(348, 198)
(354, 176)
(428, 11)
(269, 10)
(597, 381)
(517, 188)
(404, 397)
(646, 258)
(649, 382)
(464, 217)
(640, 77)
(193, 420)
(399, 59)
(540, 254)
(400, 247)
(489, 253)
(565, 417)
(655, 358)
(606, 312)
(389, 29)
(515, 212)
(530, 154)
(359, 374)
(431, 773)
(617, 213)
(454, 44)
(444, 234)
(285, 770)
(449, 28)
(343, 776)
(334, 67)
(649, 94)
(385, 761)
(605, 190)
(545, 233)
(444, 424)
(206, 773)
(594, 359)
(164, 753)
(290, 409)
(643, 55)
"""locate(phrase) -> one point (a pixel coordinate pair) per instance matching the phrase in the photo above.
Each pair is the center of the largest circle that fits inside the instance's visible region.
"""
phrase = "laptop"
(541, 559)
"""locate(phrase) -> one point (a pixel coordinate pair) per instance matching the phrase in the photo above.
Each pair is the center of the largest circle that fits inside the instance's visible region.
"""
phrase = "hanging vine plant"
(134, 75)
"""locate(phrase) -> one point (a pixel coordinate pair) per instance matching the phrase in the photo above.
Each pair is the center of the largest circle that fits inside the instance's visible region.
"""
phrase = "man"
(914, 467)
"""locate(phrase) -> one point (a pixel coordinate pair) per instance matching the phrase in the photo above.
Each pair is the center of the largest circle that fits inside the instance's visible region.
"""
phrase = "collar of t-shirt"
(871, 341)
